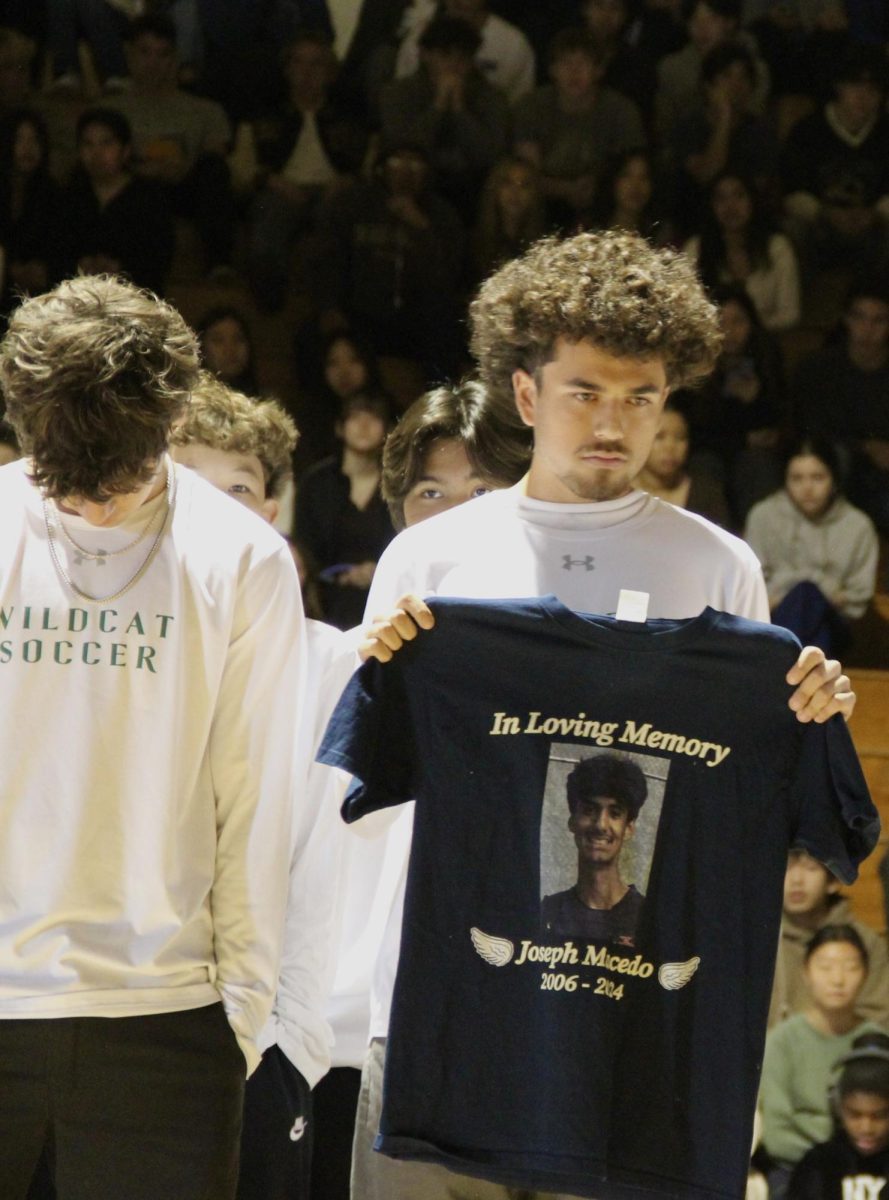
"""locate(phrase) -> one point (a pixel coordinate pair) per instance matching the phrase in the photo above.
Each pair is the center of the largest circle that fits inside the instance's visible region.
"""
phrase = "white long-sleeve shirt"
(299, 1022)
(146, 764)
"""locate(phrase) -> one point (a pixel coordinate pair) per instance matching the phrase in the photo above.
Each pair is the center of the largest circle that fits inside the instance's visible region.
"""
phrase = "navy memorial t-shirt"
(582, 992)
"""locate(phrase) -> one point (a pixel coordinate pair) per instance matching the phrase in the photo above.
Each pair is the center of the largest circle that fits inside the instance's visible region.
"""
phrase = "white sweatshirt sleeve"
(252, 763)
(308, 960)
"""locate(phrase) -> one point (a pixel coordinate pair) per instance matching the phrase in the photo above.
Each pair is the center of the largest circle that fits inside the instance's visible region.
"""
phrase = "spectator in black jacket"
(842, 390)
(114, 221)
(836, 169)
(340, 514)
(392, 254)
(854, 1164)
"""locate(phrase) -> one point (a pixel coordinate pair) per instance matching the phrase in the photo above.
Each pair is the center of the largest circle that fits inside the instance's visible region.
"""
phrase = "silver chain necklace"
(100, 556)
(146, 563)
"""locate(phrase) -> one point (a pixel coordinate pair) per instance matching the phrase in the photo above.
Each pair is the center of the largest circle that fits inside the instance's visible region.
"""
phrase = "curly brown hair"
(94, 373)
(613, 289)
(224, 419)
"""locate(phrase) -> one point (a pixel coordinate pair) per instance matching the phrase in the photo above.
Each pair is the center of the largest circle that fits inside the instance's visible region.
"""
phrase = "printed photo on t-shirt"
(597, 834)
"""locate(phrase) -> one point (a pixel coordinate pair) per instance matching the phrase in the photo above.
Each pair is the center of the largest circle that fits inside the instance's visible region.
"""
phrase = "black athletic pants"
(276, 1145)
(147, 1108)
(335, 1101)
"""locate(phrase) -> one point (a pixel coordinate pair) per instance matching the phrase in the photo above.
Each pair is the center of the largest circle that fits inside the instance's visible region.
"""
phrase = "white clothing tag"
(632, 606)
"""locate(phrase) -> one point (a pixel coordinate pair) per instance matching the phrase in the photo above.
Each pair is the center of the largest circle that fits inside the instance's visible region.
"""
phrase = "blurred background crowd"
(320, 185)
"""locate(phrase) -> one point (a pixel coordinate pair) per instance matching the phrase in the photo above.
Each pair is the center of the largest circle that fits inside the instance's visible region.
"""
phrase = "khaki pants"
(377, 1177)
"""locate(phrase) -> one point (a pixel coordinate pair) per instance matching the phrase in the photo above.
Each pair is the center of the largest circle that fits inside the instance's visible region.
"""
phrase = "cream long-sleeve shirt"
(146, 764)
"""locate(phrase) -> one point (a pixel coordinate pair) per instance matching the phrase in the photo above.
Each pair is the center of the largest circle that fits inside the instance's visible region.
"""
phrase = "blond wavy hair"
(225, 419)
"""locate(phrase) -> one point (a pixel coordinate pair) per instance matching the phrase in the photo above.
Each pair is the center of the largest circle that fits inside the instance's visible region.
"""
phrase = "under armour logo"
(588, 563)
(299, 1128)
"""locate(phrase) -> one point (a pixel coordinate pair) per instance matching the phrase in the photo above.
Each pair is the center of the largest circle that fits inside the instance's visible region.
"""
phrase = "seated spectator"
(569, 128)
(627, 68)
(812, 899)
(30, 208)
(668, 475)
(180, 140)
(626, 198)
(341, 516)
(227, 347)
(17, 54)
(448, 448)
(737, 244)
(818, 552)
(114, 222)
(722, 133)
(448, 108)
(511, 215)
(855, 1161)
(738, 413)
(835, 169)
(800, 41)
(306, 149)
(391, 260)
(840, 391)
(802, 1052)
(711, 23)
(102, 25)
(347, 367)
(503, 53)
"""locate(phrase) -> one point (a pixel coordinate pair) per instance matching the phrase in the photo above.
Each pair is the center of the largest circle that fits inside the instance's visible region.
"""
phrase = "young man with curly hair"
(144, 830)
(580, 341)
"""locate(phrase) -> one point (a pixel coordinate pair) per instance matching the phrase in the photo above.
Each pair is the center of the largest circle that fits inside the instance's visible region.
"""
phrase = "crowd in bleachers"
(353, 171)
(361, 167)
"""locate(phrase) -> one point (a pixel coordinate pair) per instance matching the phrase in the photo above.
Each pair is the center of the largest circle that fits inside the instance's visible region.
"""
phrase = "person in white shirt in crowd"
(739, 244)
(146, 764)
